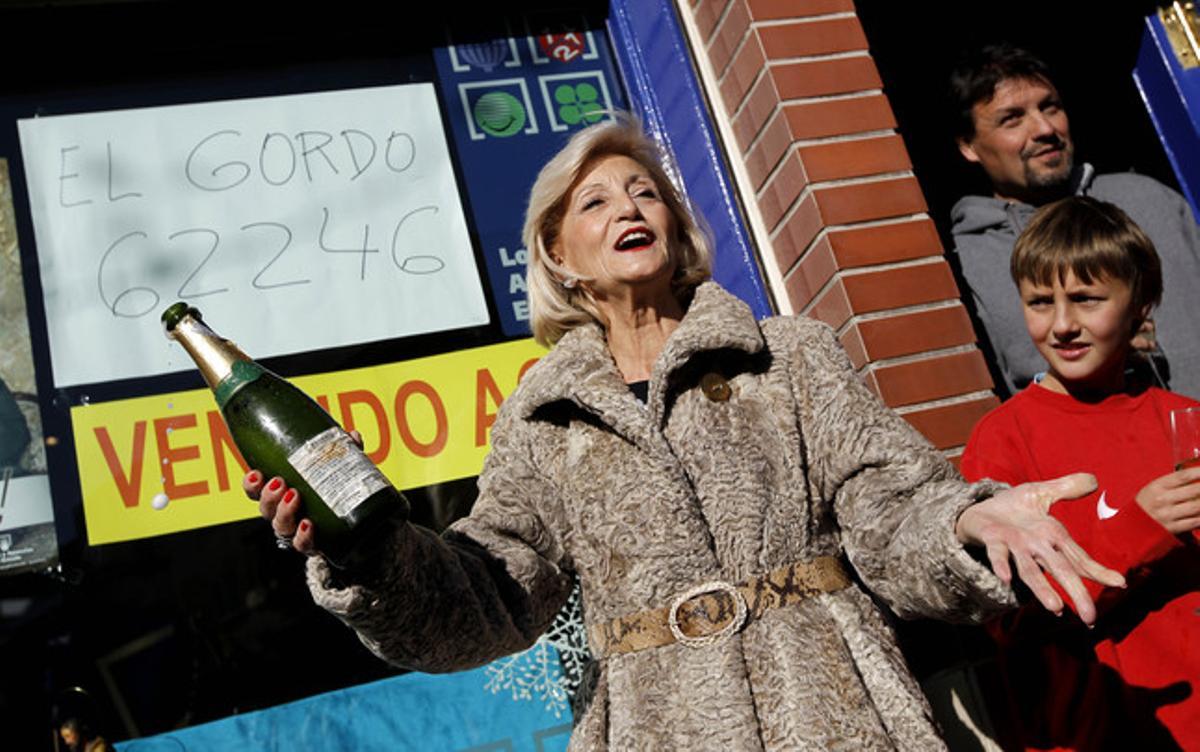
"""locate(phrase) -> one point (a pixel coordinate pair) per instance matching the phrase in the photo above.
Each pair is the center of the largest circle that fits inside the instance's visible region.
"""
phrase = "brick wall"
(839, 218)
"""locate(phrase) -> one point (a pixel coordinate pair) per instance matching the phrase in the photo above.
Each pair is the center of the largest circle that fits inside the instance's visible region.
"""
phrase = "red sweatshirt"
(1135, 678)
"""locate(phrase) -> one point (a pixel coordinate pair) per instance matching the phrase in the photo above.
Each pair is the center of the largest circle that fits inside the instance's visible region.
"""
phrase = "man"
(1011, 122)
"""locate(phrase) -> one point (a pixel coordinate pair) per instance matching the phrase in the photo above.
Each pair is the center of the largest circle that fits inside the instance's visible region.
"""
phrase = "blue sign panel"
(1172, 97)
(657, 66)
(512, 102)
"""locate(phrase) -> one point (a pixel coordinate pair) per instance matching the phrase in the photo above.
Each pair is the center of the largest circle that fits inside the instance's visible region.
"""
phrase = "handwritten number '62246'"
(417, 264)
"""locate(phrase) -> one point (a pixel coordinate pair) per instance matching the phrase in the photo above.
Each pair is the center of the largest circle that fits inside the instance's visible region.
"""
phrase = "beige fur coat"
(643, 502)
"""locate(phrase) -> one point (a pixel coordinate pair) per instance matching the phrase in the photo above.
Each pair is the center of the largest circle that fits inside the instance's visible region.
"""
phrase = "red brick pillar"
(839, 218)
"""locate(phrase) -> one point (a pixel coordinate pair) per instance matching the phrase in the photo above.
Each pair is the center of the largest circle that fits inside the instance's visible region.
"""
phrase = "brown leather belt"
(712, 611)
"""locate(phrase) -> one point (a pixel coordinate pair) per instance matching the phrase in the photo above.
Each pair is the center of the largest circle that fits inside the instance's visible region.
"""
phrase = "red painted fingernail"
(255, 478)
(290, 496)
(304, 526)
(274, 484)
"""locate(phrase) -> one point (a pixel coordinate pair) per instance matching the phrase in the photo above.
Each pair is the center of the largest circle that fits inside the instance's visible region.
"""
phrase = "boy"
(1088, 277)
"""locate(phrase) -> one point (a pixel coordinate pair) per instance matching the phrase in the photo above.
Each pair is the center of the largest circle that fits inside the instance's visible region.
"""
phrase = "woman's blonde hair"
(554, 308)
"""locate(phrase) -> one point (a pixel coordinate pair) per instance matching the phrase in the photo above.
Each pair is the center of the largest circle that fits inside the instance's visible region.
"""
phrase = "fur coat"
(645, 501)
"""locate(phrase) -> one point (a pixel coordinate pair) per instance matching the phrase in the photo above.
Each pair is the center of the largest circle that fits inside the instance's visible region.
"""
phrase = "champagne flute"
(1185, 437)
(1185, 442)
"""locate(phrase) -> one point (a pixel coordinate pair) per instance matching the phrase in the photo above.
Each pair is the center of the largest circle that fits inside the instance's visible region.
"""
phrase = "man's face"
(69, 736)
(1022, 140)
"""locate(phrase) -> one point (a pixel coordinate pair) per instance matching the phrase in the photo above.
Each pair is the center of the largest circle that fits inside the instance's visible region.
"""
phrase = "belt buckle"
(716, 586)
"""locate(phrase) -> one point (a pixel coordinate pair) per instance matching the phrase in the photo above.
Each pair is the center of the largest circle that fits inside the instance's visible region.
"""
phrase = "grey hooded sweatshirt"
(985, 230)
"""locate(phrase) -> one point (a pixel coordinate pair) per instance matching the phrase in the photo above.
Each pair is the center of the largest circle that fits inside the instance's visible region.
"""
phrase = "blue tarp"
(410, 712)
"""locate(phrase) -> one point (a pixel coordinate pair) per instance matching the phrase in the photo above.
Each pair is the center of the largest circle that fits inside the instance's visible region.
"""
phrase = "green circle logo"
(498, 113)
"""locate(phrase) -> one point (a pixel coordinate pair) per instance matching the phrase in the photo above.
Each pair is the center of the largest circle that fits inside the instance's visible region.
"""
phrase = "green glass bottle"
(282, 431)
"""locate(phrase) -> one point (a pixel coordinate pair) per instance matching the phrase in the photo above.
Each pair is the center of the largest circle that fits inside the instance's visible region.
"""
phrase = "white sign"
(293, 223)
(25, 501)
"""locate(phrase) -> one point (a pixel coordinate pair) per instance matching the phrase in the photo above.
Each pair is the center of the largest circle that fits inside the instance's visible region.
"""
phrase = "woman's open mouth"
(635, 239)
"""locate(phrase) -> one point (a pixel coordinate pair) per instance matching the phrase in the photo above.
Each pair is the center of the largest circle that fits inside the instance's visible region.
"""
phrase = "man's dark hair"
(976, 77)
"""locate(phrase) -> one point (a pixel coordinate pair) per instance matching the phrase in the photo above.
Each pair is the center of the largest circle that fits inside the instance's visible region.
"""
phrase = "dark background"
(1090, 47)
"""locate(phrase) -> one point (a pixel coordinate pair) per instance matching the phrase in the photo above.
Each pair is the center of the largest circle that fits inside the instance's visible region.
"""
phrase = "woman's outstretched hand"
(1016, 522)
(280, 506)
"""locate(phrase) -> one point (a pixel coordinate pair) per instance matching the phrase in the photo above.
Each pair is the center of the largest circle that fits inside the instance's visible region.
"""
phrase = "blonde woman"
(725, 489)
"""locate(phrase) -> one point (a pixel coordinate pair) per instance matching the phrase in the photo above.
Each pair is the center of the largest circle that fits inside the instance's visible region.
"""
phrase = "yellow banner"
(423, 421)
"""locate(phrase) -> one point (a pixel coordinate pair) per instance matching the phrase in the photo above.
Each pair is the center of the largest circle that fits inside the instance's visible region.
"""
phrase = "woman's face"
(617, 232)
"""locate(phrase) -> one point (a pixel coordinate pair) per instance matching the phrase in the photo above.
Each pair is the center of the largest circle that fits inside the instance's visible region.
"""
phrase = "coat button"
(715, 387)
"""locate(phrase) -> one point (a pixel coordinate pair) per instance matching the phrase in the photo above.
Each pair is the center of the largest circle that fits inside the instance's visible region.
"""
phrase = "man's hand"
(1016, 522)
(1145, 339)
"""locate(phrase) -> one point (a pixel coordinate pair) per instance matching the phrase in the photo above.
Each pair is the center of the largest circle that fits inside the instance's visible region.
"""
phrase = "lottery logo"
(574, 100)
(562, 47)
(498, 113)
(578, 103)
(486, 55)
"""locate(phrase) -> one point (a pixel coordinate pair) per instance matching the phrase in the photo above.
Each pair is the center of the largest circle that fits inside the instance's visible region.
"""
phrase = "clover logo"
(578, 103)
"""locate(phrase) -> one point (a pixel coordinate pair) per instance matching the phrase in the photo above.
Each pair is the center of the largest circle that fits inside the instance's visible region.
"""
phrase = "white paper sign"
(294, 223)
(25, 501)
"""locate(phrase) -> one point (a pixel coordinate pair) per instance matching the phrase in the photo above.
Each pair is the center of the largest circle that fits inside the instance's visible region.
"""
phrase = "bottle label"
(337, 470)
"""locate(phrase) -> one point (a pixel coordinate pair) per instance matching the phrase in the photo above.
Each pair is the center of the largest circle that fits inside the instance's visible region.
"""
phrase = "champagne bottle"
(281, 431)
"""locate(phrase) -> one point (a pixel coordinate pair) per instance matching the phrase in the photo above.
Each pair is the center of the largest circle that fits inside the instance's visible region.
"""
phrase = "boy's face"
(1082, 330)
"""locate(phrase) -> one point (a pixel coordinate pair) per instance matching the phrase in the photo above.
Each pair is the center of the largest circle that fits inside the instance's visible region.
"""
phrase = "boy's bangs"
(1090, 265)
(1093, 239)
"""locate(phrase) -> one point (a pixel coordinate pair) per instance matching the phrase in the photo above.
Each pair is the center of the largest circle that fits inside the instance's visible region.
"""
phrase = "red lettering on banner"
(173, 455)
(128, 486)
(222, 442)
(485, 387)
(407, 389)
(323, 401)
(347, 401)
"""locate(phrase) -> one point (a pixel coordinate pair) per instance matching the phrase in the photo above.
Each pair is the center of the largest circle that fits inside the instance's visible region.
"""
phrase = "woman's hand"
(1016, 522)
(1173, 500)
(280, 506)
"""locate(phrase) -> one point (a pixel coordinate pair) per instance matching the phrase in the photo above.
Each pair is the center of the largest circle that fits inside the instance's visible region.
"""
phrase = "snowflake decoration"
(551, 676)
